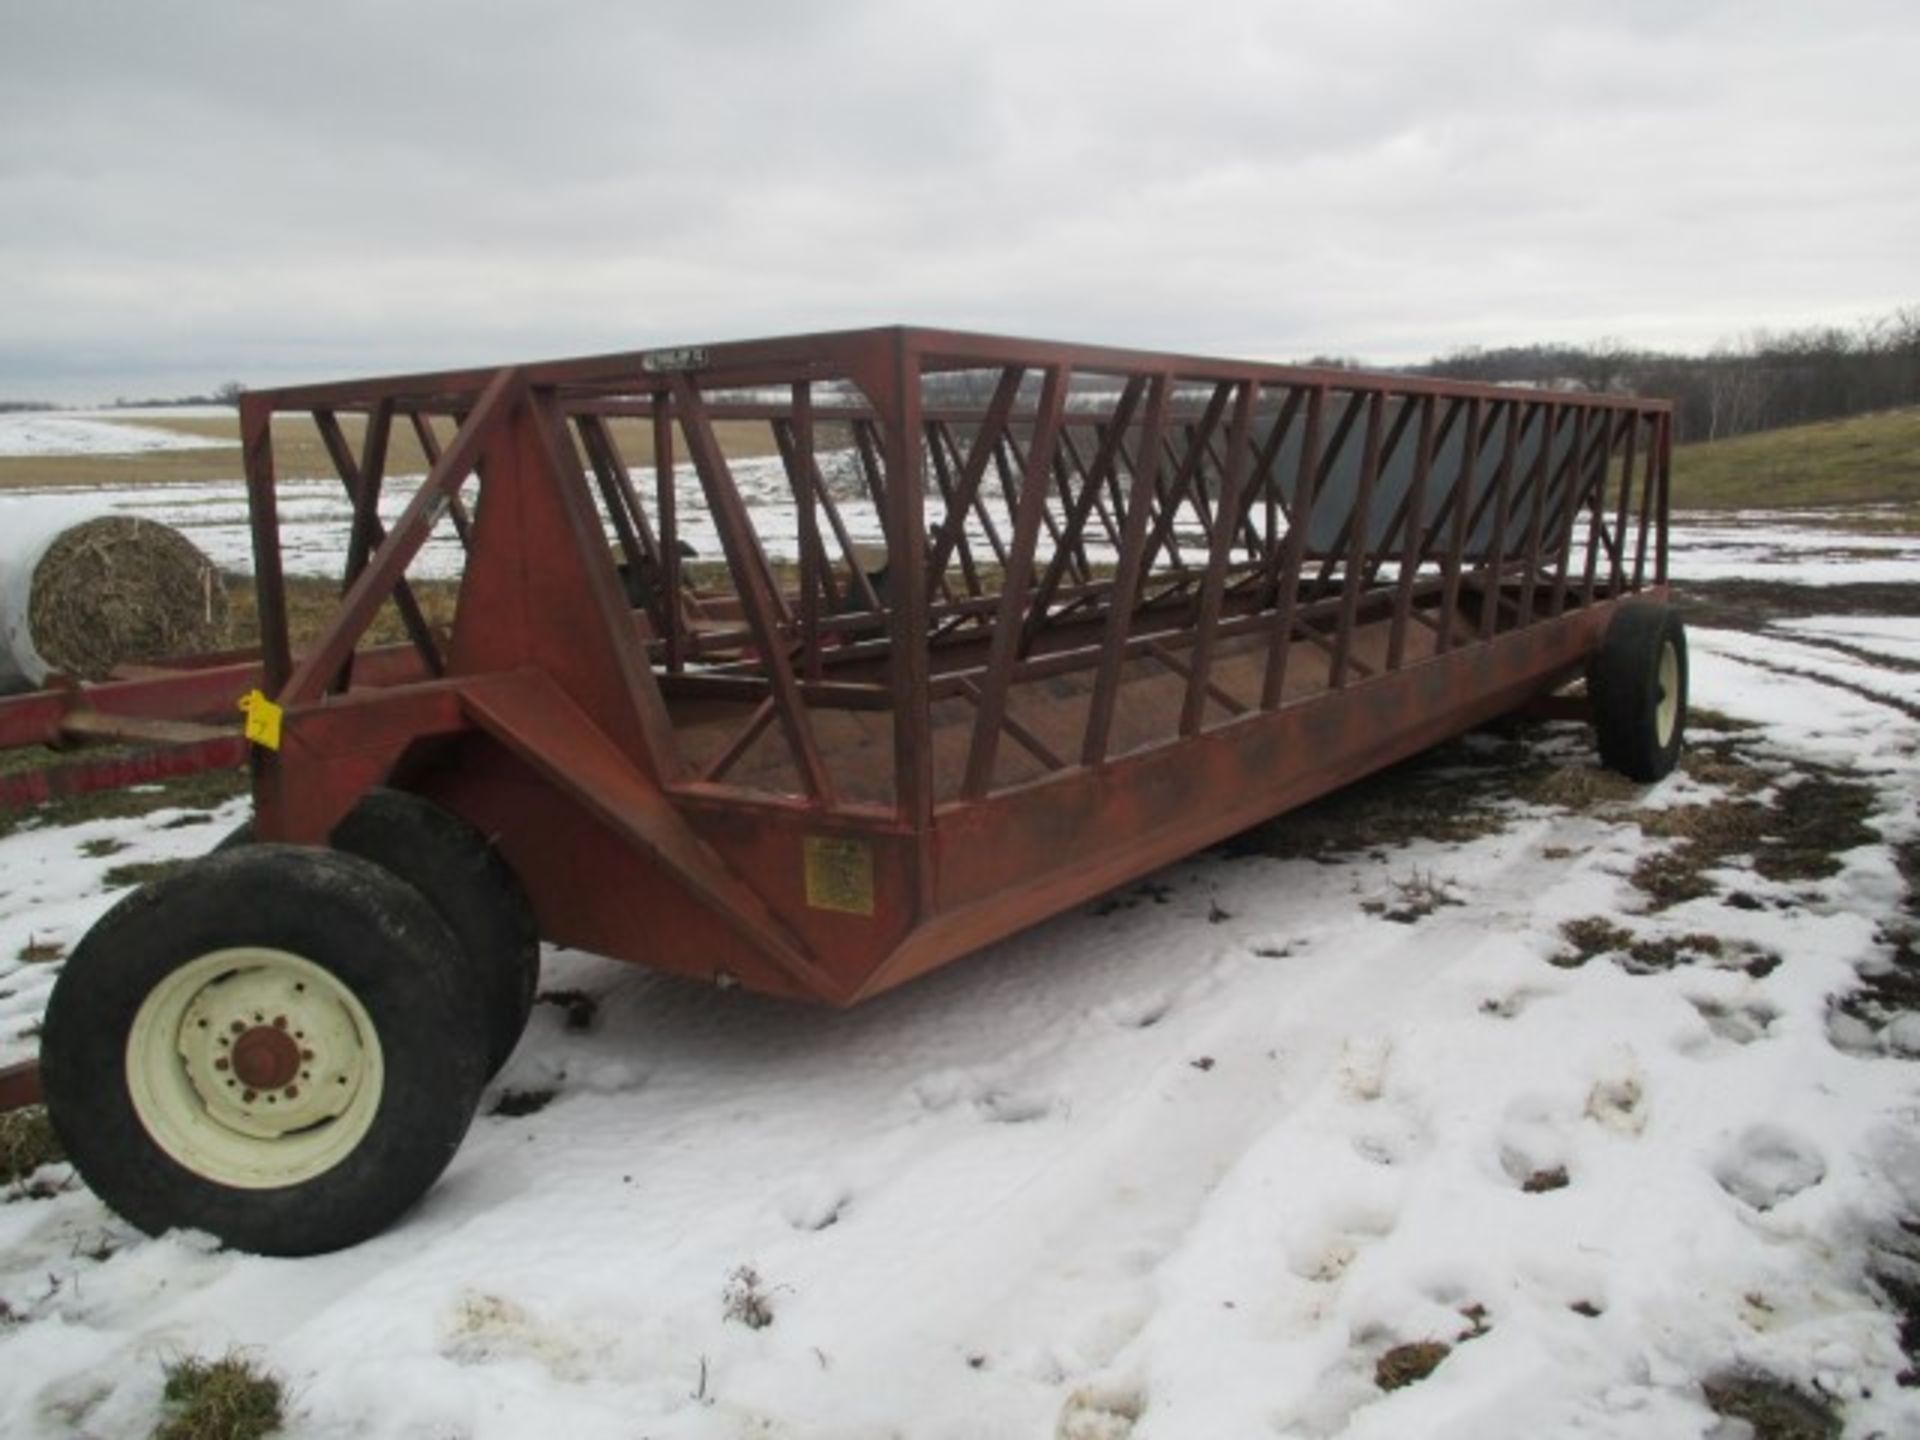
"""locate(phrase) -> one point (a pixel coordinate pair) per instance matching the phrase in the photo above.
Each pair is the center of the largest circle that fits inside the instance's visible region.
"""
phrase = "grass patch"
(1446, 794)
(101, 846)
(1725, 826)
(313, 601)
(1906, 856)
(1403, 1365)
(1818, 819)
(1673, 877)
(1901, 1295)
(746, 1300)
(1722, 766)
(1649, 957)
(27, 1142)
(1797, 835)
(1415, 898)
(1889, 988)
(512, 1104)
(578, 1006)
(140, 872)
(203, 791)
(39, 952)
(1589, 936)
(1700, 717)
(1595, 935)
(227, 1399)
(1753, 605)
(1863, 459)
(1579, 788)
(1775, 1409)
(299, 453)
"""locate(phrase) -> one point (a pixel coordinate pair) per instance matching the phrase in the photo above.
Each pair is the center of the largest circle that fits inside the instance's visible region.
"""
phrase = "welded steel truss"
(1065, 535)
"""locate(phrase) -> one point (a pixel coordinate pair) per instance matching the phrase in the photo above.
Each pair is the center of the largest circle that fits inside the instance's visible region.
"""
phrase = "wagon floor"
(1047, 717)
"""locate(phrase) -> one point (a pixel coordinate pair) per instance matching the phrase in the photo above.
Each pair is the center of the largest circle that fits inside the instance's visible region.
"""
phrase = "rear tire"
(279, 1045)
(474, 889)
(1638, 685)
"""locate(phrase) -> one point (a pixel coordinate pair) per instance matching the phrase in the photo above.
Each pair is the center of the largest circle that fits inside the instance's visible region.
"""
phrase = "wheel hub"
(254, 1067)
(266, 1057)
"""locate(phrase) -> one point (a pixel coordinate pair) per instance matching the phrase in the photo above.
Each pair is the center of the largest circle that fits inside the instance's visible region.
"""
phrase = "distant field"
(298, 452)
(1867, 459)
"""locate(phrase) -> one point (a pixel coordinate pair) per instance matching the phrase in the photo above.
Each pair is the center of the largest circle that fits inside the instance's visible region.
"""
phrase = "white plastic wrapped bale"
(83, 590)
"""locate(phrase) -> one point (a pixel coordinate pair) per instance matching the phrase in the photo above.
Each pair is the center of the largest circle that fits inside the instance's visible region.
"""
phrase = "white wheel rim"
(1667, 714)
(254, 1068)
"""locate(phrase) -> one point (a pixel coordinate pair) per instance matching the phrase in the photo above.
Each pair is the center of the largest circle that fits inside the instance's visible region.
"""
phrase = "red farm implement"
(996, 626)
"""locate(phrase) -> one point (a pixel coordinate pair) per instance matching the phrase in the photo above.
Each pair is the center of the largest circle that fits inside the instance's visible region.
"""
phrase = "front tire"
(1638, 685)
(278, 1045)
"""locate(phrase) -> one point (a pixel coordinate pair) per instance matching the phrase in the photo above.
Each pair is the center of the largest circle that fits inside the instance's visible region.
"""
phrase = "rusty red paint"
(1129, 603)
(266, 1058)
(19, 1086)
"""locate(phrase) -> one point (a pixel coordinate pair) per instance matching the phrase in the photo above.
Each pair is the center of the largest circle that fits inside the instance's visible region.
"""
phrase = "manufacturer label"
(682, 357)
(839, 874)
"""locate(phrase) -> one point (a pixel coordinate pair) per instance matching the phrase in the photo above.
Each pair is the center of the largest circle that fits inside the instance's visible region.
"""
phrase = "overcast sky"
(199, 191)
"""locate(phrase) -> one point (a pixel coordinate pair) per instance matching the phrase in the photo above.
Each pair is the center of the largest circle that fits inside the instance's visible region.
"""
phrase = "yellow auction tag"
(263, 719)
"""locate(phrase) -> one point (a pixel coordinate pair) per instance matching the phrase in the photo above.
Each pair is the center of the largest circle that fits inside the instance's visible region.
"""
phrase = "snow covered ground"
(1190, 1162)
(1185, 1163)
(1814, 548)
(102, 432)
(315, 518)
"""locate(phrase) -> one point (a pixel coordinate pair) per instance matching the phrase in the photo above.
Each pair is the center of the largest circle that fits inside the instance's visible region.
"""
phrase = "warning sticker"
(839, 874)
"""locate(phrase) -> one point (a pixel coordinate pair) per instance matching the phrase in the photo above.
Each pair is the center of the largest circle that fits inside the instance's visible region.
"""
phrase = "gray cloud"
(203, 190)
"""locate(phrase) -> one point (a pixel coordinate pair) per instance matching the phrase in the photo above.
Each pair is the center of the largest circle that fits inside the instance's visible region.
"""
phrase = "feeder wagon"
(992, 627)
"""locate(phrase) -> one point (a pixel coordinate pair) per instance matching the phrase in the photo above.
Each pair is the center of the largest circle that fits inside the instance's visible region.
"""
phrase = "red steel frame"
(1127, 604)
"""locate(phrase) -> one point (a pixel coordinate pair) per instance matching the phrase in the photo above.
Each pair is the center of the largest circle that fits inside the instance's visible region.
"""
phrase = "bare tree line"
(1767, 380)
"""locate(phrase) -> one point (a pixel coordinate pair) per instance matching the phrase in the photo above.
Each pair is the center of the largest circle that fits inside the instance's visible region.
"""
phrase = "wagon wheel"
(468, 882)
(279, 1045)
(474, 889)
(1638, 684)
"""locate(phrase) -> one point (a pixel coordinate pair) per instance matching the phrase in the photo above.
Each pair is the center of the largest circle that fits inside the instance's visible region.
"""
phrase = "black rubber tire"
(473, 888)
(377, 937)
(1624, 682)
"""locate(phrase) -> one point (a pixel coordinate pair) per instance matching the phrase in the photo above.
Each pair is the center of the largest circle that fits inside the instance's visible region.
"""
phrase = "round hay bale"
(95, 591)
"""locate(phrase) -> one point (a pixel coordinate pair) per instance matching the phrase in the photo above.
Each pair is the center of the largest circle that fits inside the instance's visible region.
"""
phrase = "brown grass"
(298, 453)
(27, 1142)
(312, 602)
(1773, 1408)
(1580, 788)
(1589, 936)
(227, 1399)
(188, 792)
(1799, 832)
(1405, 1364)
(140, 872)
(745, 1300)
(1861, 459)
(1411, 801)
